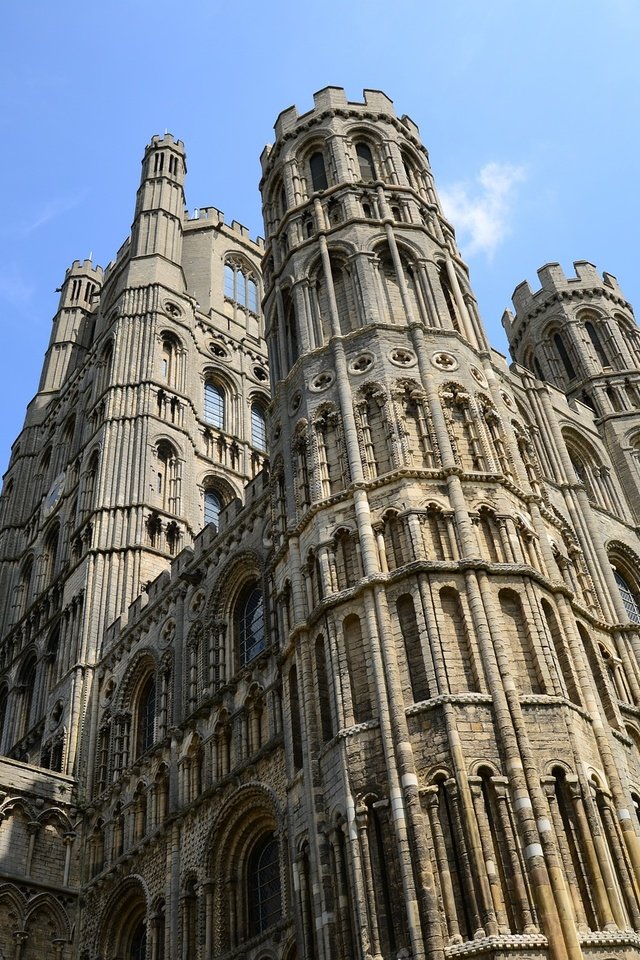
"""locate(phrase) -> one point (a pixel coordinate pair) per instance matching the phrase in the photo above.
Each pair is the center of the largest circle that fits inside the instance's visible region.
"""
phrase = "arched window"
(290, 330)
(49, 556)
(139, 942)
(449, 298)
(4, 696)
(105, 369)
(240, 285)
(365, 162)
(258, 427)
(23, 594)
(214, 404)
(212, 507)
(318, 171)
(630, 597)
(167, 476)
(26, 689)
(263, 886)
(169, 359)
(564, 356)
(249, 623)
(146, 716)
(597, 344)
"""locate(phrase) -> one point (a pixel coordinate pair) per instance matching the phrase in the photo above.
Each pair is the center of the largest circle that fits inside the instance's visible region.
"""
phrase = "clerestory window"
(630, 598)
(240, 286)
(249, 623)
(214, 404)
(258, 427)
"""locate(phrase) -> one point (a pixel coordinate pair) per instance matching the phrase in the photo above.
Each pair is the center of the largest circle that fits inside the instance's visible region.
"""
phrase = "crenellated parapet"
(557, 288)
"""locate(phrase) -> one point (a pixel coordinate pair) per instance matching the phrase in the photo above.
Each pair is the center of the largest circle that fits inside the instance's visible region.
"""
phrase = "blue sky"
(529, 111)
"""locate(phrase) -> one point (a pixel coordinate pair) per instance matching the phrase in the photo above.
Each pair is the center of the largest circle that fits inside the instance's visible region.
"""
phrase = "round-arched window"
(249, 623)
(146, 726)
(263, 886)
(214, 404)
(258, 427)
(212, 507)
(629, 596)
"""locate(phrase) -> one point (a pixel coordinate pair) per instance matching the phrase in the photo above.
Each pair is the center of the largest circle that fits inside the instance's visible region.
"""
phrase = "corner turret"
(157, 226)
(72, 325)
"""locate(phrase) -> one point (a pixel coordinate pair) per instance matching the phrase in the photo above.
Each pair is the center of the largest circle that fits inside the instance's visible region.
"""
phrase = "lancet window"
(331, 462)
(372, 417)
(519, 644)
(361, 704)
(466, 441)
(416, 434)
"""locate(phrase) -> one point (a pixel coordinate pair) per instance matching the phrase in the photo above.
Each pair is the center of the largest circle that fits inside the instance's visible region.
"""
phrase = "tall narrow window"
(318, 171)
(4, 696)
(630, 598)
(139, 942)
(212, 507)
(296, 719)
(169, 359)
(564, 356)
(258, 427)
(214, 404)
(365, 162)
(26, 689)
(249, 623)
(146, 720)
(412, 647)
(263, 886)
(356, 665)
(597, 344)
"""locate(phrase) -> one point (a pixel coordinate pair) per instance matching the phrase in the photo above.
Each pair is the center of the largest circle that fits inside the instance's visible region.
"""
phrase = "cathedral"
(319, 620)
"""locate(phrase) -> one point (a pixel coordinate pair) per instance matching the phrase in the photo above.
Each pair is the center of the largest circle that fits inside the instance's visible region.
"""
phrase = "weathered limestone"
(377, 699)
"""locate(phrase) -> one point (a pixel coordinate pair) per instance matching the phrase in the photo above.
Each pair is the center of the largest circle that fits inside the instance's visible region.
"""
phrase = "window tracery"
(240, 284)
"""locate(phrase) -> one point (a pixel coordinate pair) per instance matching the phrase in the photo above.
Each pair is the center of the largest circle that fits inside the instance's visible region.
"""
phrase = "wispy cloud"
(50, 210)
(480, 210)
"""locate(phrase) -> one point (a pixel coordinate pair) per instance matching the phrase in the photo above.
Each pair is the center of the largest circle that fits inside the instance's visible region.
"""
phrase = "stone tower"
(579, 334)
(377, 700)
(446, 708)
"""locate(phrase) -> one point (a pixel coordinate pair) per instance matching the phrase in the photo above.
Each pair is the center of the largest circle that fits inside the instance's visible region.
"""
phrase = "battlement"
(333, 99)
(168, 140)
(554, 282)
(213, 217)
(84, 267)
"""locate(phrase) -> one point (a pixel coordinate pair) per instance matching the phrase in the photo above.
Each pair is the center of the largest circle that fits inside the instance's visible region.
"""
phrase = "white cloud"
(480, 210)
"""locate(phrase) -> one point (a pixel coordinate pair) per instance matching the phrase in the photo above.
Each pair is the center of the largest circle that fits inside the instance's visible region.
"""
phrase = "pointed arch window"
(169, 359)
(139, 942)
(214, 404)
(240, 285)
(258, 427)
(212, 507)
(146, 716)
(630, 597)
(564, 356)
(26, 687)
(318, 171)
(263, 886)
(597, 344)
(249, 623)
(366, 164)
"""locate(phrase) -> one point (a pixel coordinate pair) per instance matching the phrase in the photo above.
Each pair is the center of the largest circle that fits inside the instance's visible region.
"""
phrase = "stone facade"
(377, 700)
